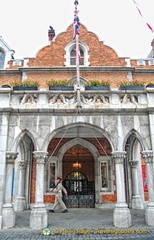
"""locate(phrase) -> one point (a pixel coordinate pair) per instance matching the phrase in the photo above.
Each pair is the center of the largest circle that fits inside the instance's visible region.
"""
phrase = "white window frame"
(107, 176)
(70, 47)
(54, 161)
(109, 188)
(2, 62)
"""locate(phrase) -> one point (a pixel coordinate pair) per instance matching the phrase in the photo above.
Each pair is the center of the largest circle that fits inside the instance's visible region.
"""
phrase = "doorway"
(78, 175)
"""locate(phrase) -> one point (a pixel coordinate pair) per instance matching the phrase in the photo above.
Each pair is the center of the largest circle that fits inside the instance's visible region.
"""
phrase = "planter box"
(97, 88)
(6, 86)
(23, 88)
(136, 88)
(61, 88)
(150, 86)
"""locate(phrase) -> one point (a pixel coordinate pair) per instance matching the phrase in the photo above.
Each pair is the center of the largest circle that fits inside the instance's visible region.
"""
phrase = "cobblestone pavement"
(76, 221)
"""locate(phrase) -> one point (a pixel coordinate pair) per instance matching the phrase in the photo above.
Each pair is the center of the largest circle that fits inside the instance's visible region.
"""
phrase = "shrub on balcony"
(97, 85)
(26, 85)
(63, 85)
(134, 85)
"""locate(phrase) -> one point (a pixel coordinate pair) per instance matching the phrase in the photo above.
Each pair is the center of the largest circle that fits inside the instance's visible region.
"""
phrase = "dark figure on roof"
(51, 33)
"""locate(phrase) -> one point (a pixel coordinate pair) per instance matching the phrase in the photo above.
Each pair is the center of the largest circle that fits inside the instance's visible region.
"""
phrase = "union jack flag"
(76, 24)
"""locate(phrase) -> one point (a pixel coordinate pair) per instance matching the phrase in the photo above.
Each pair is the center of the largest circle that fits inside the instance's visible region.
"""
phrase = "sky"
(24, 24)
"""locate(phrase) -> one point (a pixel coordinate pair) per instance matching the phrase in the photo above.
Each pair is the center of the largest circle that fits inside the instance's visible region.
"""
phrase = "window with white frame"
(2, 58)
(73, 57)
(70, 55)
(104, 175)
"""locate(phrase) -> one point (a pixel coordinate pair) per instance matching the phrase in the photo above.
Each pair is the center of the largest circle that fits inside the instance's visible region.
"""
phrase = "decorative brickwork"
(50, 59)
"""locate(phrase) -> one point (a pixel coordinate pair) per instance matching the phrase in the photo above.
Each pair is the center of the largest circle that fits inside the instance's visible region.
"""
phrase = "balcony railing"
(113, 98)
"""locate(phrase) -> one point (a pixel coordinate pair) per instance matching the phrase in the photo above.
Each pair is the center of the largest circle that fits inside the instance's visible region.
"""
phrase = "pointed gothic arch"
(135, 135)
(21, 136)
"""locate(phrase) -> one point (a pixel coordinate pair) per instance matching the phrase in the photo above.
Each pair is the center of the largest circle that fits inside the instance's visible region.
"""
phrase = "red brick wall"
(108, 198)
(33, 181)
(53, 55)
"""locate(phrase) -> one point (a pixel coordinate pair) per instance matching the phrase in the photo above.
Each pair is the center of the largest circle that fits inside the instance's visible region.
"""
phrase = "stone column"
(121, 215)
(8, 212)
(136, 199)
(20, 202)
(149, 211)
(38, 217)
(3, 147)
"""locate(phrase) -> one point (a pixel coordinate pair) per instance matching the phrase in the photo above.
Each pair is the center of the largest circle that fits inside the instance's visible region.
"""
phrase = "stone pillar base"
(1, 220)
(122, 216)
(149, 214)
(20, 204)
(38, 217)
(136, 202)
(8, 215)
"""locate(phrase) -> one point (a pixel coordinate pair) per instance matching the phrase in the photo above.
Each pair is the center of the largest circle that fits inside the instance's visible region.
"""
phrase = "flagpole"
(77, 66)
(78, 75)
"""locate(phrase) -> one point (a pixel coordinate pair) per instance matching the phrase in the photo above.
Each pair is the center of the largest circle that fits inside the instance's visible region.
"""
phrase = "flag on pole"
(76, 24)
(138, 9)
(76, 31)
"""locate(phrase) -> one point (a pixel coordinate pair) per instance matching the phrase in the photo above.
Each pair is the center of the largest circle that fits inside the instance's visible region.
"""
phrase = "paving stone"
(83, 219)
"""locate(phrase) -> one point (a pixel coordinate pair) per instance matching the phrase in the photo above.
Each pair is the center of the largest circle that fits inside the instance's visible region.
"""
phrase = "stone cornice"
(10, 72)
(94, 111)
(73, 69)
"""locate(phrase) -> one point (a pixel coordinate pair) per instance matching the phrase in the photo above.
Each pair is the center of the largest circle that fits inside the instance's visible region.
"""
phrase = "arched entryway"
(23, 188)
(135, 170)
(78, 175)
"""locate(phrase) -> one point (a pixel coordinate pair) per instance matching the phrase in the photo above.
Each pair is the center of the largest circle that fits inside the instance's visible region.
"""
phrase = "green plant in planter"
(97, 83)
(25, 84)
(54, 82)
(134, 83)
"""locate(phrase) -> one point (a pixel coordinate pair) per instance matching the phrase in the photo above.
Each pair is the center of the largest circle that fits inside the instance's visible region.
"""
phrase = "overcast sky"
(24, 24)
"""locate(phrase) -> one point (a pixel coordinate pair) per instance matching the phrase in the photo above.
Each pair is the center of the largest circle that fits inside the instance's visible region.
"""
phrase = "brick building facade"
(103, 151)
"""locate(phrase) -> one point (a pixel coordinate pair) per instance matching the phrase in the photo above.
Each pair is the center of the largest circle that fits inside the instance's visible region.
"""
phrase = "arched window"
(71, 54)
(2, 58)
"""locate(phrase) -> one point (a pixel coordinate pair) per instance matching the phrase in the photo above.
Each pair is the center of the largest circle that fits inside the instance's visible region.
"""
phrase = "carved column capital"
(118, 156)
(22, 164)
(10, 157)
(40, 156)
(148, 156)
(133, 163)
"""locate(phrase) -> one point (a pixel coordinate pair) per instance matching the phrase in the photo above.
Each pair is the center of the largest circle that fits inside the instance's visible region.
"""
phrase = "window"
(104, 175)
(71, 54)
(73, 57)
(151, 61)
(2, 58)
